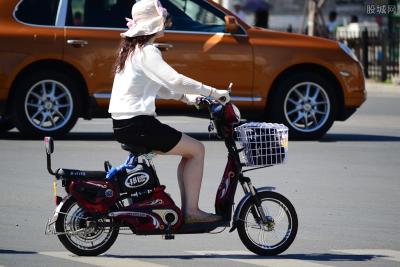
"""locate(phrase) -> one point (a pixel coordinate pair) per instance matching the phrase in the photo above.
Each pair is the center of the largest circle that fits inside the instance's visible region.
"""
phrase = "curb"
(376, 87)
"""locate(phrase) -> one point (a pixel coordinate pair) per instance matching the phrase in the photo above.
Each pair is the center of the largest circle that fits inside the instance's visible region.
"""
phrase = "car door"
(198, 45)
(200, 48)
(92, 36)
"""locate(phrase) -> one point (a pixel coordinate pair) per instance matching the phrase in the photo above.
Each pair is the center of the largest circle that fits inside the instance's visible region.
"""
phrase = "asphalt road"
(345, 188)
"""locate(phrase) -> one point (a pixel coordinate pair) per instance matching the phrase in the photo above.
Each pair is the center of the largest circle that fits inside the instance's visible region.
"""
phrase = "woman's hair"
(127, 46)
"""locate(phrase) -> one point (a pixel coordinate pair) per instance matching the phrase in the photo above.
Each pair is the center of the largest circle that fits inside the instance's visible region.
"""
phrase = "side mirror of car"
(231, 24)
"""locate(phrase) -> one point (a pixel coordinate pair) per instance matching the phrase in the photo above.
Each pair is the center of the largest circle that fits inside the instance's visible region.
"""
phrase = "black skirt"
(146, 131)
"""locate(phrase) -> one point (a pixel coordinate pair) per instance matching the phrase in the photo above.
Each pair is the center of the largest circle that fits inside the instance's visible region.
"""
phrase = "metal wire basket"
(262, 144)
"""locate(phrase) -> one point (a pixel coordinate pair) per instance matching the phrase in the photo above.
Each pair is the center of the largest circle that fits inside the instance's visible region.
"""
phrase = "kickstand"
(168, 235)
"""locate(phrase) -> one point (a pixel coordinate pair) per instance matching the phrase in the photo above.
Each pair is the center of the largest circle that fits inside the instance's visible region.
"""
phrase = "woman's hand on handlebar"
(221, 96)
(190, 99)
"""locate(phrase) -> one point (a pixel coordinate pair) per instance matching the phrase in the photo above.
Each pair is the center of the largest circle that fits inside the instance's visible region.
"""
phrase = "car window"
(194, 15)
(39, 12)
(98, 13)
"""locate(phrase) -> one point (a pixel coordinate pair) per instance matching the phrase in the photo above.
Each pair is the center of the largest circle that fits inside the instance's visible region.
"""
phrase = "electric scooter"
(99, 204)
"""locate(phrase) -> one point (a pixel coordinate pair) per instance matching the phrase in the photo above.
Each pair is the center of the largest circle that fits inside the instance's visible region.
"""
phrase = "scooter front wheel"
(279, 231)
(80, 233)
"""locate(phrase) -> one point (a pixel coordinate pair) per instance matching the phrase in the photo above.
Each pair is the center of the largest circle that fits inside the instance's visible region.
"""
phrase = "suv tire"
(306, 103)
(45, 104)
(5, 124)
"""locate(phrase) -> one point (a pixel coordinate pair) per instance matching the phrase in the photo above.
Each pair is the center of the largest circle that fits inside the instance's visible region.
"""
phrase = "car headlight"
(348, 51)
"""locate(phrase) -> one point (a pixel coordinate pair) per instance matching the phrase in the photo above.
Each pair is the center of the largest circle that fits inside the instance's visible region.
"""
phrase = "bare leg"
(181, 167)
(190, 172)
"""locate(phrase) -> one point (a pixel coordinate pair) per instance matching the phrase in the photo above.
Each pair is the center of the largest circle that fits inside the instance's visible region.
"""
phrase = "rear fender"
(50, 229)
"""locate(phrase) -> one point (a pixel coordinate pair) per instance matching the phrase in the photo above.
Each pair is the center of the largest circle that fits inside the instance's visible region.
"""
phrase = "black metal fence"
(377, 51)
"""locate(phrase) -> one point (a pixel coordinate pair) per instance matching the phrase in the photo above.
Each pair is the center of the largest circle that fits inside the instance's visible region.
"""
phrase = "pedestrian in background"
(332, 24)
(261, 11)
(238, 10)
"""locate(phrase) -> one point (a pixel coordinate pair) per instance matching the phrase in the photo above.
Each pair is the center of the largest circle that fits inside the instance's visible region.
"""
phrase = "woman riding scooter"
(141, 74)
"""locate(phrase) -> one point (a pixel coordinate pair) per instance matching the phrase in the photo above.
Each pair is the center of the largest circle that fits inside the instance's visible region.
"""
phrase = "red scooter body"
(94, 196)
(153, 215)
(226, 190)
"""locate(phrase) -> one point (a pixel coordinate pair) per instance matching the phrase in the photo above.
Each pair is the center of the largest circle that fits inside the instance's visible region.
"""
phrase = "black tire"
(5, 124)
(296, 103)
(69, 220)
(46, 103)
(246, 215)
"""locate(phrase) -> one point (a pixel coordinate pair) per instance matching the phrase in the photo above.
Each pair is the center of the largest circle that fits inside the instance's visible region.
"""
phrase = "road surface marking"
(243, 257)
(102, 260)
(385, 254)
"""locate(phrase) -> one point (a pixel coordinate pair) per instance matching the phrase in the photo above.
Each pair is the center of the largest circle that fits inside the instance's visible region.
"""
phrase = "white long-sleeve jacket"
(145, 76)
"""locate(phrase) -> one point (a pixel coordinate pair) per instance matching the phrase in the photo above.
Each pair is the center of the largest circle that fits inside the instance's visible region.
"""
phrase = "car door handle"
(163, 46)
(77, 43)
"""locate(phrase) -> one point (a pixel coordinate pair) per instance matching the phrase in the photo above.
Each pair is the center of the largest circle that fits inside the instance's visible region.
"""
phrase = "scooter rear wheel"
(80, 234)
(273, 237)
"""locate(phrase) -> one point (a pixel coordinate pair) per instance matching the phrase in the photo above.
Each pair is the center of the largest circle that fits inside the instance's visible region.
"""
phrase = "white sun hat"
(148, 17)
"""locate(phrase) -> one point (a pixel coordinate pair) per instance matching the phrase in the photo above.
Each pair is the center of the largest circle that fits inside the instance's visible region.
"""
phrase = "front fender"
(243, 200)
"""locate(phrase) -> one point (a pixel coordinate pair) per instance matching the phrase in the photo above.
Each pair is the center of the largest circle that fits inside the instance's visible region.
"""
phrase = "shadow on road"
(322, 257)
(358, 138)
(10, 251)
(306, 257)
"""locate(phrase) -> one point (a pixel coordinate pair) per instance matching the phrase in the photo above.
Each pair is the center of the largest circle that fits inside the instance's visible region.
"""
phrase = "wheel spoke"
(316, 94)
(52, 120)
(36, 95)
(43, 120)
(297, 109)
(299, 117)
(53, 89)
(57, 112)
(279, 217)
(314, 117)
(308, 90)
(293, 102)
(319, 112)
(36, 114)
(63, 105)
(60, 96)
(34, 105)
(306, 120)
(301, 96)
(43, 89)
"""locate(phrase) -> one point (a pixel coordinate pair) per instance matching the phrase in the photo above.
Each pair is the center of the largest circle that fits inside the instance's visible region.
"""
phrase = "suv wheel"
(45, 103)
(5, 124)
(306, 103)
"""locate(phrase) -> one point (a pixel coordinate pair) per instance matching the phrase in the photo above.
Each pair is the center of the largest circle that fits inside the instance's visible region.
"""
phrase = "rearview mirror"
(49, 145)
(231, 24)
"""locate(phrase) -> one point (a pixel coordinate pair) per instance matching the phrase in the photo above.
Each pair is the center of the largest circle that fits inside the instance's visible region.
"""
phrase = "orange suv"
(56, 59)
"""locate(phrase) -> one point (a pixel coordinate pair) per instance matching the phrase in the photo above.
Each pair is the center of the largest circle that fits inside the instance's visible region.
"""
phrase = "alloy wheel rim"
(88, 241)
(48, 105)
(307, 107)
(263, 237)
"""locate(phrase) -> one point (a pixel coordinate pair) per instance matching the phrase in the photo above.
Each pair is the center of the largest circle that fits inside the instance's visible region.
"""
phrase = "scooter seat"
(81, 174)
(136, 150)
